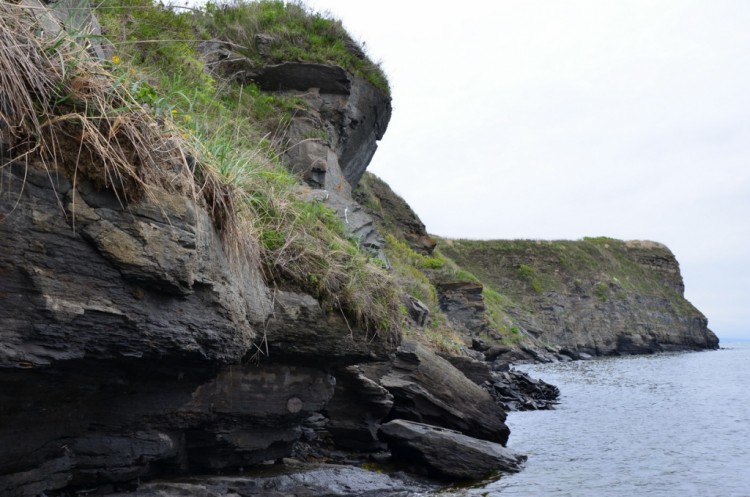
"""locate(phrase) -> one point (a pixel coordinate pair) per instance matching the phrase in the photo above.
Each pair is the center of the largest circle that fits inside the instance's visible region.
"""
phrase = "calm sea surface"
(667, 425)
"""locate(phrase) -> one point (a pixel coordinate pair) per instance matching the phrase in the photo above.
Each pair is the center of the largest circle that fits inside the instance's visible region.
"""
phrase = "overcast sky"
(562, 119)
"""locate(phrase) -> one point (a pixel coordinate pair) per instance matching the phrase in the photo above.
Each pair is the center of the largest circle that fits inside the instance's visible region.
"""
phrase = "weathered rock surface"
(330, 141)
(300, 332)
(345, 115)
(447, 454)
(356, 410)
(285, 481)
(594, 297)
(463, 303)
(122, 339)
(428, 389)
(85, 278)
(477, 371)
(393, 213)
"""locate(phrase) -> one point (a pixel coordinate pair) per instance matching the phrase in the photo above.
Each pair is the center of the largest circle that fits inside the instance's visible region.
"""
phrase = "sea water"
(664, 425)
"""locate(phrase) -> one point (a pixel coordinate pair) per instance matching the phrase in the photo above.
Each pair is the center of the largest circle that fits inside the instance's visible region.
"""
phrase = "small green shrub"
(429, 262)
(531, 276)
(601, 291)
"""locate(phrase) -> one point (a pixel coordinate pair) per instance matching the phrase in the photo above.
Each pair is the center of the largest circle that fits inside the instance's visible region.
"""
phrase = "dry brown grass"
(66, 109)
(61, 105)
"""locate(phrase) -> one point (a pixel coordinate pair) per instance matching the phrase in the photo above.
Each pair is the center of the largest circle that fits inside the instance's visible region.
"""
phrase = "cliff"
(596, 296)
(510, 300)
(178, 295)
(198, 277)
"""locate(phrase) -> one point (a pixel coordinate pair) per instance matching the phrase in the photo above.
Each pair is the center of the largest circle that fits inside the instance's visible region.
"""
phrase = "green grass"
(501, 322)
(296, 33)
(156, 100)
(601, 267)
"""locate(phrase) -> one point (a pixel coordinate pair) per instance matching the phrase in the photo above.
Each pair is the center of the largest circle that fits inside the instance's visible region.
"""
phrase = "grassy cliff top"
(602, 266)
(152, 107)
(261, 32)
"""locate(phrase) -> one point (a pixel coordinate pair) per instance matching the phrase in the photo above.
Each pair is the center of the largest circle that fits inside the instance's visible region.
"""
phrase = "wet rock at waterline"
(290, 481)
(447, 454)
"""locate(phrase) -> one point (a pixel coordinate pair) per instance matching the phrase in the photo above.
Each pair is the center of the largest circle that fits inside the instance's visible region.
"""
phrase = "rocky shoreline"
(139, 358)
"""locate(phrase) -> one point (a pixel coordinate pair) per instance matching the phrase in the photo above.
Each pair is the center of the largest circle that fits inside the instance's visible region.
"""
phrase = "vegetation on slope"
(152, 118)
(293, 33)
(420, 273)
(601, 267)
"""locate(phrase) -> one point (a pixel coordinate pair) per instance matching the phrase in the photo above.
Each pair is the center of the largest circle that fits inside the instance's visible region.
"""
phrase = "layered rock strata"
(590, 297)
(127, 343)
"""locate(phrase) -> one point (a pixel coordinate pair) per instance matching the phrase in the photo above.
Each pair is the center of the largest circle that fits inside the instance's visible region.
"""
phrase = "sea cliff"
(198, 276)
(597, 296)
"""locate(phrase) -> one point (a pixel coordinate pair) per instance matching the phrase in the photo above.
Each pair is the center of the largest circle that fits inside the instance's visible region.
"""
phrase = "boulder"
(428, 389)
(355, 412)
(417, 311)
(477, 371)
(447, 454)
(517, 391)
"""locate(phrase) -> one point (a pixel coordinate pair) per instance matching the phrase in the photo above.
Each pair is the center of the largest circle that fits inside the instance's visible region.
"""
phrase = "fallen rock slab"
(447, 454)
(428, 389)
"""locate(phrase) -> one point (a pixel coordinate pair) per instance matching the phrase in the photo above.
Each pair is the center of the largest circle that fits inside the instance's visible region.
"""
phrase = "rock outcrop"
(594, 297)
(393, 214)
(134, 345)
(332, 138)
(127, 335)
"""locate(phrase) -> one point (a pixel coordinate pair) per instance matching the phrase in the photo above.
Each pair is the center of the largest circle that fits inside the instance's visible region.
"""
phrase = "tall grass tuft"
(139, 125)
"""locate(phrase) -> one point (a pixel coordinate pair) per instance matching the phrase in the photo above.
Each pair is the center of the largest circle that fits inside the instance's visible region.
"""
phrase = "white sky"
(562, 119)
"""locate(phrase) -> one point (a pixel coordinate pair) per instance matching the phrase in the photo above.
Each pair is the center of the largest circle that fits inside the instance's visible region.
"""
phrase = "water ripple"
(668, 425)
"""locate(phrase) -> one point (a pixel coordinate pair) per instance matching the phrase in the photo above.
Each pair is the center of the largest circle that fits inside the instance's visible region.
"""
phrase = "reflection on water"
(666, 425)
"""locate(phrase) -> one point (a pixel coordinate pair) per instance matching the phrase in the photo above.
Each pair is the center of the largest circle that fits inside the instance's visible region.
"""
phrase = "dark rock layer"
(291, 481)
(127, 343)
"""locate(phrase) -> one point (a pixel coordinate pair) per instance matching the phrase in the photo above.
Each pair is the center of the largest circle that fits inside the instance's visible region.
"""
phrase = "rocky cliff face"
(127, 342)
(134, 345)
(596, 296)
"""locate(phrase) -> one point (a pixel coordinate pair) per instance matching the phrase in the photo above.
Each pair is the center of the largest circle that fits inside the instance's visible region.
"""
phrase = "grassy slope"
(419, 274)
(601, 267)
(233, 133)
(155, 95)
